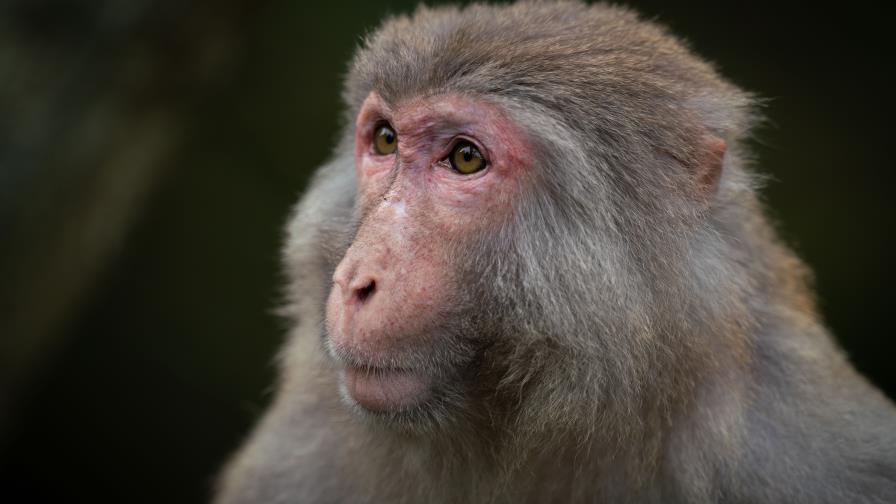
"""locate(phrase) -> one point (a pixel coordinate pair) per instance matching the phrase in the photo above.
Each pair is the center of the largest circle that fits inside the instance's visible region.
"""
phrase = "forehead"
(412, 113)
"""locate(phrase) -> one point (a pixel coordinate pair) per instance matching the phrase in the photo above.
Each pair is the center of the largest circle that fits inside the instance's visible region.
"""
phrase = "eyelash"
(461, 140)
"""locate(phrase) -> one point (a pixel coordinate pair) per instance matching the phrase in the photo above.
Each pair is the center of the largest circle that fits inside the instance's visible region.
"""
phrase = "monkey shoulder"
(814, 429)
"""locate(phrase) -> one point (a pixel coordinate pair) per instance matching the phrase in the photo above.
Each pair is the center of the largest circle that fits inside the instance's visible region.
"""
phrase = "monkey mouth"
(386, 389)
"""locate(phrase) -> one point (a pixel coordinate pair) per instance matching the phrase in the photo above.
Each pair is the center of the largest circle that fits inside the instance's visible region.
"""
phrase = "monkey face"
(433, 173)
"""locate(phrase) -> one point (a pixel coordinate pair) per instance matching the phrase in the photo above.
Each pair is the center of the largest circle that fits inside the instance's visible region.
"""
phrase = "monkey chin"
(385, 390)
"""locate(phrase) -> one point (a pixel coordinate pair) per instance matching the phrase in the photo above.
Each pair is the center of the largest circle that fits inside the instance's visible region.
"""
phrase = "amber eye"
(385, 141)
(466, 158)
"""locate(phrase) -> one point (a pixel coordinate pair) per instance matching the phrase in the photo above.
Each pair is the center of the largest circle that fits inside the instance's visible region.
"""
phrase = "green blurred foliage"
(160, 357)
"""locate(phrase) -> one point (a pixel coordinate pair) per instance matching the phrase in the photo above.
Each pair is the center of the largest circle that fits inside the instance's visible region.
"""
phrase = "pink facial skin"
(397, 277)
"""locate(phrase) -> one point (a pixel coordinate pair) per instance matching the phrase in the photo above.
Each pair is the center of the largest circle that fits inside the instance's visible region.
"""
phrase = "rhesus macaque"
(536, 270)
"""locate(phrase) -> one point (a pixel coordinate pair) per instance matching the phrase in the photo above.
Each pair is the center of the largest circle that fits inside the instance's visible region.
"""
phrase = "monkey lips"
(383, 390)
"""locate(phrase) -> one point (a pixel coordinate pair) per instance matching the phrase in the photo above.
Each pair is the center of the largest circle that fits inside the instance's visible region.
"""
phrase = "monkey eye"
(465, 158)
(385, 141)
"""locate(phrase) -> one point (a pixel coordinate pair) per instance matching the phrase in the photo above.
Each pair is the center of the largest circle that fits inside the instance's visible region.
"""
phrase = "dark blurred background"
(150, 151)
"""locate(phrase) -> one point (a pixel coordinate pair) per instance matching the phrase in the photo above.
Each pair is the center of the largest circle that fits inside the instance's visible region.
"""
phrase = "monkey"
(536, 269)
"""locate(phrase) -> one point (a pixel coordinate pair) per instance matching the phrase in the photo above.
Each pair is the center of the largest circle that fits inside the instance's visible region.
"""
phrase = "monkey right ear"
(708, 169)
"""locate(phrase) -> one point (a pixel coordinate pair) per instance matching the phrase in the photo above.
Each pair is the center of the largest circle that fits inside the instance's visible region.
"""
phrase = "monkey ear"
(709, 165)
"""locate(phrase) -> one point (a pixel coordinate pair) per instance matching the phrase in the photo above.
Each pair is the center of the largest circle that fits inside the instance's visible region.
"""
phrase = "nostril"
(365, 292)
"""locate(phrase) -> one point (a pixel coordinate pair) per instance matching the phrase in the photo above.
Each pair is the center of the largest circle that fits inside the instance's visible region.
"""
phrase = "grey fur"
(641, 343)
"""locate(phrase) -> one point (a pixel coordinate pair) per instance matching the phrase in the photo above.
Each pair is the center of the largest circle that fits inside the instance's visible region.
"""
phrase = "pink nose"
(356, 286)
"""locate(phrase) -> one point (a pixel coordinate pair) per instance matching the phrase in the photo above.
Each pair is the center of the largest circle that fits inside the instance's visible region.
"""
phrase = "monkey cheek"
(386, 390)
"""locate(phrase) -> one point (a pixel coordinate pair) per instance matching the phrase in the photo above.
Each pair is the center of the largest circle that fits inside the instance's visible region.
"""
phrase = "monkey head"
(523, 196)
